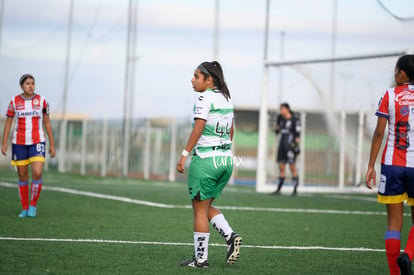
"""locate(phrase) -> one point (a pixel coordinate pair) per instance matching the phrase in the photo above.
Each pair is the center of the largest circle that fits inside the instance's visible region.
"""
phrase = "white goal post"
(262, 150)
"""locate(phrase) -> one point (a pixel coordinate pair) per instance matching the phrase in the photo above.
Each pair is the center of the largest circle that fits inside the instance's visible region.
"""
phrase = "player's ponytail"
(214, 70)
(406, 63)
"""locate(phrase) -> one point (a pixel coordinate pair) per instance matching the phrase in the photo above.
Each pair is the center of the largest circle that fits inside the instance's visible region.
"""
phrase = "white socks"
(201, 239)
(222, 226)
(201, 245)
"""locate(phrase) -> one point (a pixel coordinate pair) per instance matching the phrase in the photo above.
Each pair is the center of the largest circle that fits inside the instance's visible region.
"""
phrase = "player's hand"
(180, 164)
(4, 149)
(52, 151)
(277, 130)
(371, 176)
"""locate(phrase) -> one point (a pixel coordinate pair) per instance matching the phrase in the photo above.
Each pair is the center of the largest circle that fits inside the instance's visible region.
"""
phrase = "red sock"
(392, 249)
(409, 248)
(35, 192)
(24, 194)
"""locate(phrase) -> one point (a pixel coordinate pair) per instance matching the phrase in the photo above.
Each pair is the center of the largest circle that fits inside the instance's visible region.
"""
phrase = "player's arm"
(296, 130)
(375, 147)
(232, 131)
(48, 127)
(6, 132)
(278, 123)
(196, 133)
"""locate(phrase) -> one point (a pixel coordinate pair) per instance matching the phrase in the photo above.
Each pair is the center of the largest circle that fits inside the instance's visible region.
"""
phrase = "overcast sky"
(174, 36)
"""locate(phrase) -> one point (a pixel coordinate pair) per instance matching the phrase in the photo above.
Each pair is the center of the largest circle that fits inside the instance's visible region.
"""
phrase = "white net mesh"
(336, 143)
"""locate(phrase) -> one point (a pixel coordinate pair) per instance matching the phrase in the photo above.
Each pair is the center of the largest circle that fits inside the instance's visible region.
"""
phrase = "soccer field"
(93, 225)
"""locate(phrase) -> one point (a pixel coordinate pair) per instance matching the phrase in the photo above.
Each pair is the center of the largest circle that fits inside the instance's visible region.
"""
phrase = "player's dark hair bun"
(24, 77)
(406, 63)
(286, 105)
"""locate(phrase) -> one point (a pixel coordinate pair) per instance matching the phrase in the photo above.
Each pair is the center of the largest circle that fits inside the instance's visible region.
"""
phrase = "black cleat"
(195, 263)
(233, 248)
(277, 192)
(404, 263)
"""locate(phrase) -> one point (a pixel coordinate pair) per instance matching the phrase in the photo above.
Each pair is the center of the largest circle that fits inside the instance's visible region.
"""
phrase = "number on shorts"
(40, 148)
(402, 141)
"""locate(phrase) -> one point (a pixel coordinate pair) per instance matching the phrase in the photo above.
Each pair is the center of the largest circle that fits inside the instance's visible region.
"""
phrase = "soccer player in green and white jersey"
(212, 162)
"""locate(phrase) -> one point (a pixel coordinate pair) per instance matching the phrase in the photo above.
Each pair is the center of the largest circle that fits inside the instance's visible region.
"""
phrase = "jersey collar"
(213, 90)
(25, 98)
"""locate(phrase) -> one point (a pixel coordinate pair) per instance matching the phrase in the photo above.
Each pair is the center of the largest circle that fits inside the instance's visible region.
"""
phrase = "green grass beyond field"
(80, 234)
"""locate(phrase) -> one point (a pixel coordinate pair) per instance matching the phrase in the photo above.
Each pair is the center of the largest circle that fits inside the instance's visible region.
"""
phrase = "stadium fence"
(94, 147)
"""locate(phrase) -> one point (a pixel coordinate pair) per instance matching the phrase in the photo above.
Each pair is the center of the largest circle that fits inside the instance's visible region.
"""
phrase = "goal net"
(336, 100)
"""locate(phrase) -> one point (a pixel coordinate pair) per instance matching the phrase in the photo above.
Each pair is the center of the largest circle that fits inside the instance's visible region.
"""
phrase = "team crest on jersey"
(200, 98)
(36, 101)
(404, 110)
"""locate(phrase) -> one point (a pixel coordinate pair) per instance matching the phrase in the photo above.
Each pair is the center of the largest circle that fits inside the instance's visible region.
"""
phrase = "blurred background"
(117, 77)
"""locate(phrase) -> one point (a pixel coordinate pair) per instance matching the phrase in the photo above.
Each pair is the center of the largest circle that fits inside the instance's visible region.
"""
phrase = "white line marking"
(97, 195)
(235, 208)
(300, 210)
(355, 249)
(345, 197)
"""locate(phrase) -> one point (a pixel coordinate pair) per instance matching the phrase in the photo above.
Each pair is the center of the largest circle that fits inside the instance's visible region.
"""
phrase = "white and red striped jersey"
(397, 105)
(29, 117)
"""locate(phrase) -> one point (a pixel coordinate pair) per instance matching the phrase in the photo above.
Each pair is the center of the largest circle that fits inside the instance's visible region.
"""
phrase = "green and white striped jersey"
(217, 111)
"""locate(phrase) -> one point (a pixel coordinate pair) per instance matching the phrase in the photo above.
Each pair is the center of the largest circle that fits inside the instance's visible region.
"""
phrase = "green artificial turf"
(275, 241)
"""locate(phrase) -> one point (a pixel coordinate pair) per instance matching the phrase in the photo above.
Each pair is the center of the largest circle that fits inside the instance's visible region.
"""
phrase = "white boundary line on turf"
(97, 195)
(235, 208)
(354, 249)
(347, 197)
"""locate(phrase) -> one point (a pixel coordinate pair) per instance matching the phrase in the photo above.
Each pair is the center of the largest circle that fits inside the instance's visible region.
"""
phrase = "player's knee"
(36, 175)
(23, 174)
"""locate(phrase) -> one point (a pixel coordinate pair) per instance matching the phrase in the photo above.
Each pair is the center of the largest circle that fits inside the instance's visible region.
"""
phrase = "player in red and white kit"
(29, 143)
(396, 183)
